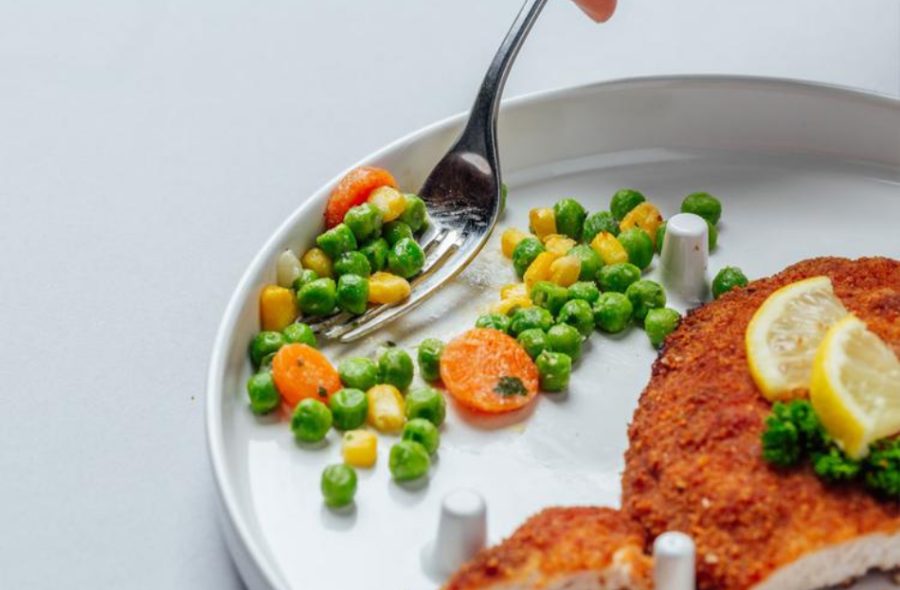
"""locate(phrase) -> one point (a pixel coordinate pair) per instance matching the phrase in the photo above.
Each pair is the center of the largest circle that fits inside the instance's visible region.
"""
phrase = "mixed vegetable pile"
(579, 272)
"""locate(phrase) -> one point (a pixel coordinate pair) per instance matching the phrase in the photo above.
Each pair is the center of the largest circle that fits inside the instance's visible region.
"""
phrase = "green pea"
(565, 339)
(524, 254)
(423, 432)
(703, 204)
(659, 323)
(429, 356)
(623, 201)
(578, 314)
(495, 321)
(376, 252)
(300, 333)
(426, 403)
(348, 408)
(405, 258)
(617, 277)
(306, 276)
(584, 290)
(318, 297)
(590, 261)
(352, 294)
(712, 236)
(528, 318)
(337, 240)
(534, 341)
(264, 396)
(358, 373)
(638, 245)
(266, 363)
(612, 312)
(570, 216)
(554, 370)
(409, 460)
(311, 420)
(352, 263)
(602, 221)
(338, 485)
(414, 214)
(395, 231)
(364, 221)
(265, 343)
(727, 279)
(396, 368)
(549, 296)
(644, 296)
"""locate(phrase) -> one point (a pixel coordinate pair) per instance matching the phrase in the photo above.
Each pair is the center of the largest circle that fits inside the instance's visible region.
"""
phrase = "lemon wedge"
(855, 388)
(785, 332)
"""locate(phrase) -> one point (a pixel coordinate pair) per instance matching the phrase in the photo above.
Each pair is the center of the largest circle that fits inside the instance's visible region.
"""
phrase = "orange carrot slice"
(353, 189)
(301, 371)
(487, 371)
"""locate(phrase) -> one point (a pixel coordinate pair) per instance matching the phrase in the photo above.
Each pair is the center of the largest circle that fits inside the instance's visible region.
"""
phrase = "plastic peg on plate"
(673, 562)
(461, 533)
(684, 258)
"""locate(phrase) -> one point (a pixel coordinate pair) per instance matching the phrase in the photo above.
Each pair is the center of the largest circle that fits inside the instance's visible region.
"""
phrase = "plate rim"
(242, 544)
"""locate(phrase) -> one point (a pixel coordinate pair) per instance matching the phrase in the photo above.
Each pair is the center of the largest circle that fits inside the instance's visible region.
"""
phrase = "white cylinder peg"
(684, 259)
(461, 533)
(674, 562)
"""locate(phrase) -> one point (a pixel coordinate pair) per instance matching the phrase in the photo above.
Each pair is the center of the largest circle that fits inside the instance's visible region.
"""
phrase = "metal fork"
(462, 195)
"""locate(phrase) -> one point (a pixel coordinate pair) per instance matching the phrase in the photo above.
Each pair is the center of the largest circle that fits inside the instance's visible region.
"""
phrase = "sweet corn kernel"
(316, 260)
(557, 244)
(609, 249)
(645, 216)
(288, 268)
(565, 270)
(510, 239)
(359, 448)
(539, 269)
(542, 221)
(389, 201)
(511, 305)
(387, 288)
(386, 408)
(277, 308)
(515, 290)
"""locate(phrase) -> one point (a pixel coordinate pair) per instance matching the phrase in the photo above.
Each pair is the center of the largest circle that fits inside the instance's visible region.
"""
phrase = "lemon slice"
(855, 387)
(785, 332)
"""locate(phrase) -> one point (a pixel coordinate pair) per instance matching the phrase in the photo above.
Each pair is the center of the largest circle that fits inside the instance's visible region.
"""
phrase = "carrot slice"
(353, 189)
(301, 371)
(487, 371)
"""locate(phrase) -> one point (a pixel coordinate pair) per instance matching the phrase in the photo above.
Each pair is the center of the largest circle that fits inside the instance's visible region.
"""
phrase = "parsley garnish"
(507, 386)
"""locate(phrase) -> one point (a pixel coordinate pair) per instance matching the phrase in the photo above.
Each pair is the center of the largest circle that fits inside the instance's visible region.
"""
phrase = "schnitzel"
(694, 464)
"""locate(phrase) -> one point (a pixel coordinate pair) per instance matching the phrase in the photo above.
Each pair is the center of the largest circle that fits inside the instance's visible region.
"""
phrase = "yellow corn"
(510, 239)
(316, 260)
(359, 448)
(539, 270)
(511, 305)
(646, 217)
(609, 249)
(542, 221)
(387, 288)
(389, 201)
(386, 408)
(277, 308)
(515, 290)
(564, 271)
(557, 244)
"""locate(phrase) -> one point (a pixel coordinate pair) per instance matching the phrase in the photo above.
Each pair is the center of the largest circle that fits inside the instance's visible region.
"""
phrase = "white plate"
(802, 171)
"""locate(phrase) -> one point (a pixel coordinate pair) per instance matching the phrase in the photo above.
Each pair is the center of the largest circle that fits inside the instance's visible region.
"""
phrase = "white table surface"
(147, 149)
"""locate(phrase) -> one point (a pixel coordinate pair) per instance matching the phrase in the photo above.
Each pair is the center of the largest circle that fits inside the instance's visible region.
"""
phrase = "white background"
(148, 148)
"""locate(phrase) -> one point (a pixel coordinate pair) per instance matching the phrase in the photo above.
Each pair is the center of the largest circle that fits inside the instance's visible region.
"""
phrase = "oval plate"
(802, 171)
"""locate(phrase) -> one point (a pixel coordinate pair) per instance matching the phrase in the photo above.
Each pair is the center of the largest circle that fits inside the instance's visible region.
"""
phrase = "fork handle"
(480, 133)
